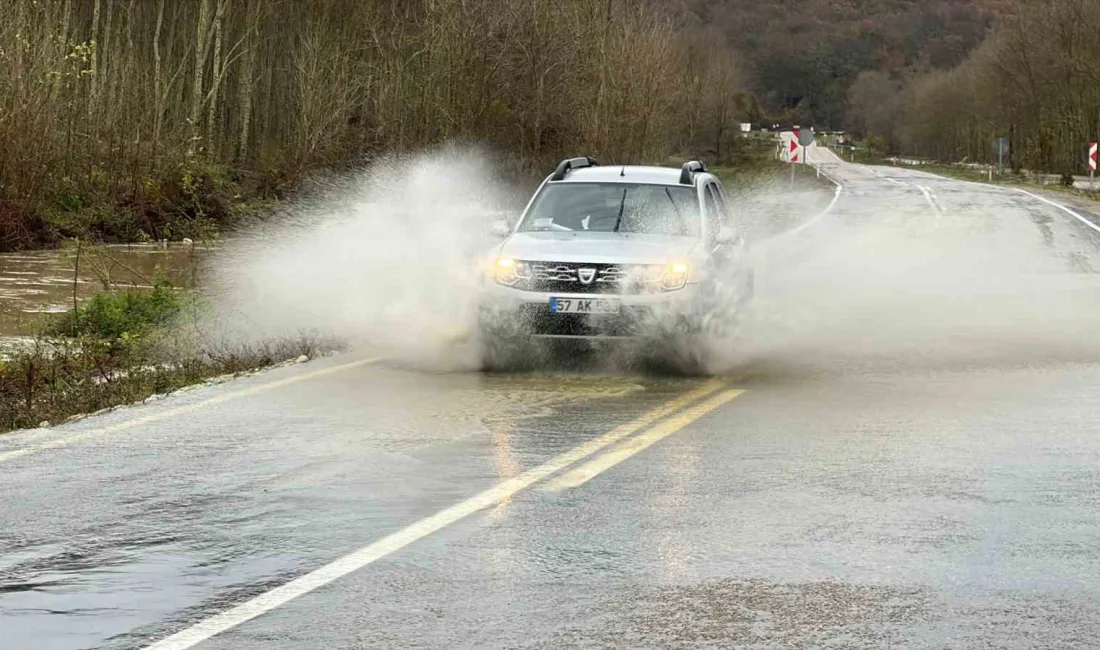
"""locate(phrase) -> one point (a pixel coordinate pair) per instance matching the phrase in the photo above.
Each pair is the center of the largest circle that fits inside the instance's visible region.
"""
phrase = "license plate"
(584, 306)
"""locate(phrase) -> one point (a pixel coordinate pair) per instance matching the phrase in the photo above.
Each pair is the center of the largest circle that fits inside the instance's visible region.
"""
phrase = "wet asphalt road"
(837, 503)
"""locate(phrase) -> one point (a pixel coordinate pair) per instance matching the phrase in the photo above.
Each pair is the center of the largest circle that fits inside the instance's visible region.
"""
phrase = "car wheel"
(499, 351)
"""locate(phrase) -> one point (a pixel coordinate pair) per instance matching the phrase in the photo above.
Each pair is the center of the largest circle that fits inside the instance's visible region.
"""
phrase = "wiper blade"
(622, 204)
(676, 208)
(679, 214)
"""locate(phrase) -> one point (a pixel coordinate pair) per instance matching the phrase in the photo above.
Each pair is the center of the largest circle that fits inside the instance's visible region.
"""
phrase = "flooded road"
(35, 283)
(895, 464)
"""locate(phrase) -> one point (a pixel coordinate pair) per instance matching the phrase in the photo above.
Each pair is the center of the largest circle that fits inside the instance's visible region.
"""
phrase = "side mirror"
(500, 229)
(726, 235)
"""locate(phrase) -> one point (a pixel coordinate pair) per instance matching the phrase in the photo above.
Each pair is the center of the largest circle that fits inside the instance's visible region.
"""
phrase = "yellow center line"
(586, 472)
(181, 410)
(267, 601)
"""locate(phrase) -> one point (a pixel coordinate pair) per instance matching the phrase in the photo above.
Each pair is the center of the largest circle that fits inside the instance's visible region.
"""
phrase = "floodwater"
(36, 283)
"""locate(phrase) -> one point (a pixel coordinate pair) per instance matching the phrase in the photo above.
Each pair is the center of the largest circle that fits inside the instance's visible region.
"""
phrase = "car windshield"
(615, 207)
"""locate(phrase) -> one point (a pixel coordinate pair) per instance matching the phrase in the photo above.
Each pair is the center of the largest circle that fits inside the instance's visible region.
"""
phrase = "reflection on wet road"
(362, 450)
(910, 486)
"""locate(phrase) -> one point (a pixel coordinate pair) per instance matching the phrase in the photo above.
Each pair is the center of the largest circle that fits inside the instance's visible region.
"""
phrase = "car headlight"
(666, 277)
(675, 277)
(510, 272)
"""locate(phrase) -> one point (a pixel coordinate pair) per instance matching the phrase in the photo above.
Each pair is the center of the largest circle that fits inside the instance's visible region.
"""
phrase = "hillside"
(804, 54)
(124, 120)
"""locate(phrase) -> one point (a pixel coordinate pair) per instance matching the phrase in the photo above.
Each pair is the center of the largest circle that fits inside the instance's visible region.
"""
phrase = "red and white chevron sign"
(1092, 156)
(794, 149)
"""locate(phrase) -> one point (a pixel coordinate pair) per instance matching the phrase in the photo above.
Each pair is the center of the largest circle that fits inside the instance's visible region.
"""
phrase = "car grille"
(569, 277)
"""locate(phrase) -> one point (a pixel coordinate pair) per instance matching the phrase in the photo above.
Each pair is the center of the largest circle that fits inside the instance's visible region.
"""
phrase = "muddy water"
(34, 284)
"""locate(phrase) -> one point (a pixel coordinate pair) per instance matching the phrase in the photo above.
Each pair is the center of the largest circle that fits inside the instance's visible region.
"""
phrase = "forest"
(132, 119)
(939, 79)
(127, 120)
(1035, 81)
(803, 56)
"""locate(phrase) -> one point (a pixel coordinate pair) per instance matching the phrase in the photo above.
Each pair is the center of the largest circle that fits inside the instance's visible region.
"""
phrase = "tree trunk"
(212, 121)
(202, 38)
(158, 84)
(106, 59)
(104, 87)
(246, 83)
(94, 66)
(66, 13)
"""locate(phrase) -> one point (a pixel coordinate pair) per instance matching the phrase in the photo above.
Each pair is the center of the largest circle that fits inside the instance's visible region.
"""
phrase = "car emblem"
(586, 276)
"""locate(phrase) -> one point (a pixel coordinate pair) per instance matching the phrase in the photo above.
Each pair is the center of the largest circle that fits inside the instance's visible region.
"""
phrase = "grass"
(122, 347)
(120, 318)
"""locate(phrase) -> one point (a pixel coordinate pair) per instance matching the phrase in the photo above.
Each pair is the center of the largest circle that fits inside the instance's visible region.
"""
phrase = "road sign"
(1092, 165)
(1000, 149)
(805, 137)
(790, 150)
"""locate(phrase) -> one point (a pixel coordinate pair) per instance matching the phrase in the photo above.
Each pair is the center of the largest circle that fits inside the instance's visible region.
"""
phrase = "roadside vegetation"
(125, 121)
(131, 121)
(803, 56)
(1033, 82)
(125, 345)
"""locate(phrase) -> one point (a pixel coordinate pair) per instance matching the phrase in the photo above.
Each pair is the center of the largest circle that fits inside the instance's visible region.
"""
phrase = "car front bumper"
(507, 312)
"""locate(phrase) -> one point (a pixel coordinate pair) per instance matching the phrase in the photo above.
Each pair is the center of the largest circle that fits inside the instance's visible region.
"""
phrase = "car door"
(728, 259)
(716, 215)
(732, 256)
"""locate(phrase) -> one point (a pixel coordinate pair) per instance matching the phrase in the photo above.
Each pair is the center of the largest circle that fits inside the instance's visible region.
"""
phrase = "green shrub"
(121, 318)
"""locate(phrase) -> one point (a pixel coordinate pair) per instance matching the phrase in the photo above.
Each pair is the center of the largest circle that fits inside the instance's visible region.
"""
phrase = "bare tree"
(1033, 81)
(115, 99)
(202, 42)
(218, 72)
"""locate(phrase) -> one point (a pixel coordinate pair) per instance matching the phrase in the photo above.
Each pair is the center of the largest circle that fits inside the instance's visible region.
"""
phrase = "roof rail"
(687, 172)
(569, 164)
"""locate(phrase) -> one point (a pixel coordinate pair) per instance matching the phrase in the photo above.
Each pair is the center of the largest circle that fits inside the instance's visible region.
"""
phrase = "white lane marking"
(180, 410)
(356, 560)
(936, 200)
(929, 198)
(990, 187)
(824, 213)
(1062, 208)
(589, 470)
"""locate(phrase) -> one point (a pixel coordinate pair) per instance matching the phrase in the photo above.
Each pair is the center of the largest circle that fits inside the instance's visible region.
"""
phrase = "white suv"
(612, 252)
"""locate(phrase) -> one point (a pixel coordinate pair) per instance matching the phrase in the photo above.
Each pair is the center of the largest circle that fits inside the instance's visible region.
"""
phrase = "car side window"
(713, 210)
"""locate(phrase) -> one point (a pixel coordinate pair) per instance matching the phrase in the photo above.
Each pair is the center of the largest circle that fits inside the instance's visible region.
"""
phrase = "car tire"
(499, 351)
